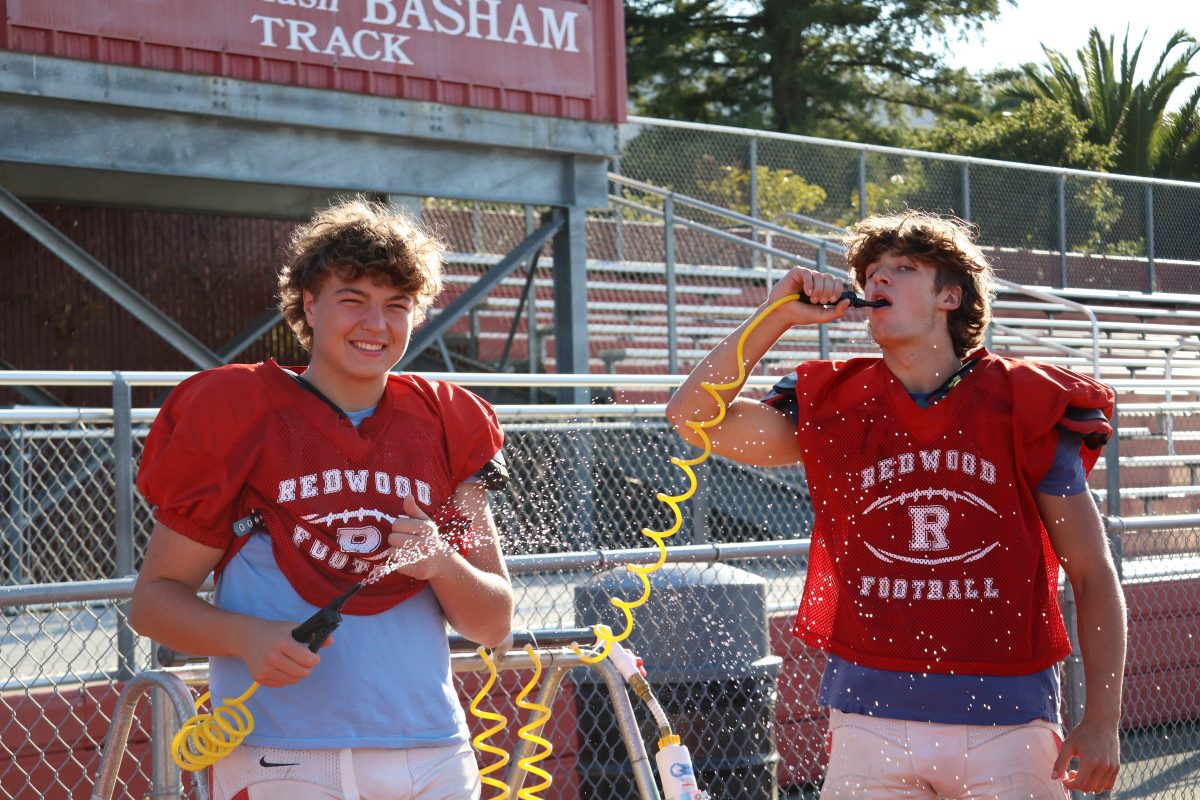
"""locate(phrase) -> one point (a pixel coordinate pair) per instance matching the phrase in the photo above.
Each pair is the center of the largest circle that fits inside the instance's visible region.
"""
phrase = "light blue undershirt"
(384, 682)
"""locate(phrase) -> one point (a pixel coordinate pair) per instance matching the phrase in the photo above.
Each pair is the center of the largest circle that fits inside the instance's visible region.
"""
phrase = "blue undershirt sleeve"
(1065, 477)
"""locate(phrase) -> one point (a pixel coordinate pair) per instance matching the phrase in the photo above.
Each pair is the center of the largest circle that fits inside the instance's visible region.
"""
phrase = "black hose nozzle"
(316, 629)
(855, 300)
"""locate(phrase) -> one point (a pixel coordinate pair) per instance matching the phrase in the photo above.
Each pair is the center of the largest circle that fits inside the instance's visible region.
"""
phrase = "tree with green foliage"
(1016, 208)
(1042, 131)
(823, 67)
(779, 192)
(1131, 117)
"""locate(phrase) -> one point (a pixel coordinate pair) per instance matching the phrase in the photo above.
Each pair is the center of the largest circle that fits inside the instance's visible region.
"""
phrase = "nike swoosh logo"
(262, 762)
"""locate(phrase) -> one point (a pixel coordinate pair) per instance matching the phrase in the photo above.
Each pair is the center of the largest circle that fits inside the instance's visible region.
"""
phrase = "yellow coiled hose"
(528, 732)
(539, 715)
(480, 740)
(207, 738)
(604, 634)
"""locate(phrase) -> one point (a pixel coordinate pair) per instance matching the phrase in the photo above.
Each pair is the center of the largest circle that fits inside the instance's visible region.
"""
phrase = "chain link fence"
(582, 487)
(1162, 585)
(1042, 225)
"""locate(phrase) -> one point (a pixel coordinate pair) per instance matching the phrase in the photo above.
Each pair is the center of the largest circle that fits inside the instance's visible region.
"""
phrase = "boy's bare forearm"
(692, 401)
(173, 614)
(1100, 610)
(1077, 533)
(477, 604)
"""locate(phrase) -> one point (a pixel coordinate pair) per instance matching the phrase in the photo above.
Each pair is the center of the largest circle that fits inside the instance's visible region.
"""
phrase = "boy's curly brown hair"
(354, 238)
(947, 243)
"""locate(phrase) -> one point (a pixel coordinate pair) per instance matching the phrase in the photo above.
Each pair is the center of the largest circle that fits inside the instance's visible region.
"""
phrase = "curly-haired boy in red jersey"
(350, 468)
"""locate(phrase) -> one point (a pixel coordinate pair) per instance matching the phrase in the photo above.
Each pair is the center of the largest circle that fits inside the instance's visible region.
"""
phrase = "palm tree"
(1179, 142)
(1150, 139)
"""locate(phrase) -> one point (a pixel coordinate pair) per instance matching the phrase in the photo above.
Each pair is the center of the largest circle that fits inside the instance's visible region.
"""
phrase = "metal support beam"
(528, 298)
(570, 301)
(571, 353)
(99, 276)
(249, 334)
(618, 216)
(438, 325)
(104, 146)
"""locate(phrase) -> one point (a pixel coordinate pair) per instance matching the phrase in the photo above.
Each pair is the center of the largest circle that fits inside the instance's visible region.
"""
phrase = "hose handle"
(855, 300)
(316, 629)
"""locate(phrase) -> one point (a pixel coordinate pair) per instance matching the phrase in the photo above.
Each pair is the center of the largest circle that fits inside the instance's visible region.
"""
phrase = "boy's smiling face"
(360, 328)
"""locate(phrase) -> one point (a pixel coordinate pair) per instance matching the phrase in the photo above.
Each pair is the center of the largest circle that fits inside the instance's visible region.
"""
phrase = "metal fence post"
(1062, 230)
(166, 779)
(1112, 468)
(862, 184)
(669, 263)
(1073, 691)
(966, 191)
(618, 217)
(17, 505)
(1152, 277)
(698, 530)
(123, 525)
(752, 158)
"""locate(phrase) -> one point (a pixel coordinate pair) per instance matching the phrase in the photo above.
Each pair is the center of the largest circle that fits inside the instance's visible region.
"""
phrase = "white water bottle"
(675, 771)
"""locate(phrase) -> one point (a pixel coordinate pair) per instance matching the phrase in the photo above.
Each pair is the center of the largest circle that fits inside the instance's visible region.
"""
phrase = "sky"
(1016, 37)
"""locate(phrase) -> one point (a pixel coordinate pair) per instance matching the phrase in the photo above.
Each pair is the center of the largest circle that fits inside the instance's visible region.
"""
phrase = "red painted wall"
(562, 58)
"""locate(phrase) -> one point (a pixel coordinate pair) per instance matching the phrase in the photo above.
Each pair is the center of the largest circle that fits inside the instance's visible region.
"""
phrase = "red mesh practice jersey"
(245, 437)
(928, 551)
